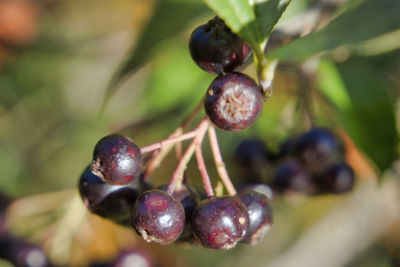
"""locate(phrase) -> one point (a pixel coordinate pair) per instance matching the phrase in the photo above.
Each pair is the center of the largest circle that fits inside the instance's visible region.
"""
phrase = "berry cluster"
(115, 187)
(312, 163)
(164, 216)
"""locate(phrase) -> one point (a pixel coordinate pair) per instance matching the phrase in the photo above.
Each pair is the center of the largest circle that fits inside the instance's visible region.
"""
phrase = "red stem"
(169, 141)
(219, 163)
(177, 176)
(203, 171)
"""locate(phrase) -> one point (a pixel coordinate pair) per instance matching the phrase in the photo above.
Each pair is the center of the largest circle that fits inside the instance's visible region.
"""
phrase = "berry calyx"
(220, 222)
(117, 160)
(216, 49)
(233, 101)
(158, 217)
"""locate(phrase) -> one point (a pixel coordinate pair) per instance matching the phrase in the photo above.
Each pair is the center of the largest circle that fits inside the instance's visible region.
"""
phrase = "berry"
(21, 253)
(117, 160)
(291, 176)
(260, 216)
(220, 222)
(259, 188)
(158, 217)
(318, 148)
(216, 49)
(189, 199)
(233, 101)
(251, 153)
(337, 179)
(113, 202)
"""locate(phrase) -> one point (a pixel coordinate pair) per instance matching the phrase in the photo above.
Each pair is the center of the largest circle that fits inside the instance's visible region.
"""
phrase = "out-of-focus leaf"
(368, 19)
(251, 20)
(169, 19)
(364, 107)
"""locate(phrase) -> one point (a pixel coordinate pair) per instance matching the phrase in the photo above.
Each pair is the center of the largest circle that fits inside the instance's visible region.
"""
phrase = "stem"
(177, 176)
(219, 163)
(203, 171)
(169, 141)
(159, 155)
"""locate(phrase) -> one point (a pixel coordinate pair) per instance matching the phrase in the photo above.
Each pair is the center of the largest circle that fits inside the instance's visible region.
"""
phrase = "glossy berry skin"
(290, 176)
(318, 148)
(233, 101)
(220, 222)
(189, 199)
(117, 160)
(336, 179)
(216, 49)
(158, 217)
(260, 216)
(112, 202)
(21, 253)
(259, 188)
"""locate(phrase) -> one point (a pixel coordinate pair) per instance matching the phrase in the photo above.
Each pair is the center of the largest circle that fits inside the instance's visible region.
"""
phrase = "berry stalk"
(203, 171)
(158, 155)
(177, 176)
(169, 141)
(219, 163)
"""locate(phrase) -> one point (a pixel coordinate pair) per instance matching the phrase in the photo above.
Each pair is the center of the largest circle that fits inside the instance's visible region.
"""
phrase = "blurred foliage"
(133, 56)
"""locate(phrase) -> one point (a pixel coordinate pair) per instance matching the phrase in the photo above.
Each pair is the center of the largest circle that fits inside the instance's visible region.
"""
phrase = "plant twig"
(158, 155)
(203, 171)
(219, 163)
(169, 141)
(177, 176)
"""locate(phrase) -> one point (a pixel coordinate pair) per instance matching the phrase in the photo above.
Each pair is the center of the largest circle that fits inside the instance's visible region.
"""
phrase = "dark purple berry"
(117, 160)
(260, 216)
(158, 217)
(220, 222)
(251, 153)
(233, 101)
(21, 253)
(189, 199)
(336, 179)
(259, 188)
(291, 176)
(318, 148)
(113, 202)
(216, 49)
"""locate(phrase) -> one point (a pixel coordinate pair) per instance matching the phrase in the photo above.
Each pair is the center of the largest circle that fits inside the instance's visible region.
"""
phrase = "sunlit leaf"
(251, 20)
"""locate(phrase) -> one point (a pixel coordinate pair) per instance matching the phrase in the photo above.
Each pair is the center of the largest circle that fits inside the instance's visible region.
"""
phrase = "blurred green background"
(59, 62)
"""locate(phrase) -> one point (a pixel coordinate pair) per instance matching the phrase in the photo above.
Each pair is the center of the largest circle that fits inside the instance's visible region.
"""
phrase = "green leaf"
(268, 12)
(360, 22)
(252, 22)
(169, 19)
(364, 107)
(240, 17)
